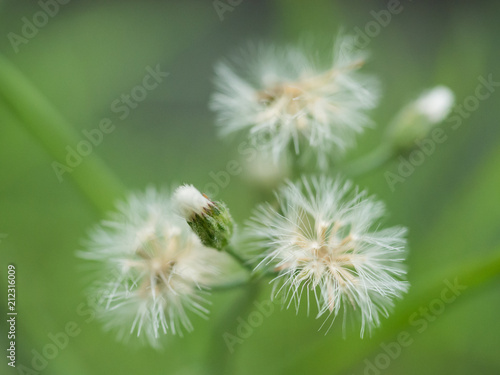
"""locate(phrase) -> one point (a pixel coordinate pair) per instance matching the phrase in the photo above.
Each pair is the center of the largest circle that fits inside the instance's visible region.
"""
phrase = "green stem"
(367, 163)
(242, 281)
(220, 353)
(233, 284)
(243, 262)
(55, 134)
(470, 274)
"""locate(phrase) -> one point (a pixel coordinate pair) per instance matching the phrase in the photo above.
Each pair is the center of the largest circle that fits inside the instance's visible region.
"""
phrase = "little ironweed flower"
(283, 97)
(154, 269)
(324, 240)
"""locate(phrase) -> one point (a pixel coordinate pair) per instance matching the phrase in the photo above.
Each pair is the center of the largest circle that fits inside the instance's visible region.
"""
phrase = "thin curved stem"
(242, 261)
(242, 281)
(39, 117)
(232, 284)
(221, 350)
(367, 163)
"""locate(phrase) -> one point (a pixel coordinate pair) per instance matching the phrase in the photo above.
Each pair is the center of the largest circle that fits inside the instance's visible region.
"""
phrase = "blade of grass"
(54, 134)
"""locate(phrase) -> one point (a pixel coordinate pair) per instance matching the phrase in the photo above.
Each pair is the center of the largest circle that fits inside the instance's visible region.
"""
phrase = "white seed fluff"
(282, 96)
(189, 202)
(324, 240)
(154, 270)
(436, 103)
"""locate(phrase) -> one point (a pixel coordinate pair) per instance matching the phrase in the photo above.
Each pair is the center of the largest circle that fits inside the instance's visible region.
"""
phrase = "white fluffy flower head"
(324, 241)
(282, 96)
(154, 269)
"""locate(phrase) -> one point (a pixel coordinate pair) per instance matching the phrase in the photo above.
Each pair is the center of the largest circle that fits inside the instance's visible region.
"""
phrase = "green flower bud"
(211, 221)
(416, 119)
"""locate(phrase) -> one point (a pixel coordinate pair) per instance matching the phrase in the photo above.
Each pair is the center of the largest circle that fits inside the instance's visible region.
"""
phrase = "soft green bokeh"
(92, 52)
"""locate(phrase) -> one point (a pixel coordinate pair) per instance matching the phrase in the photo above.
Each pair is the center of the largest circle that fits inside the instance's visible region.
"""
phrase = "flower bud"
(416, 119)
(210, 220)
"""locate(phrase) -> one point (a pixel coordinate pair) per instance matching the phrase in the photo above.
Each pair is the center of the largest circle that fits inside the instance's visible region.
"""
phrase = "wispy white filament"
(189, 201)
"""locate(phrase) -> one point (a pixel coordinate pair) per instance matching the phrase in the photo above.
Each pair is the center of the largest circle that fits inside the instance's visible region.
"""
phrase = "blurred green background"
(92, 52)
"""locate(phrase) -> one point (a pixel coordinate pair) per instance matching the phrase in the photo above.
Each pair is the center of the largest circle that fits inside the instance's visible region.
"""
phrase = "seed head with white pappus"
(324, 240)
(283, 96)
(210, 220)
(154, 269)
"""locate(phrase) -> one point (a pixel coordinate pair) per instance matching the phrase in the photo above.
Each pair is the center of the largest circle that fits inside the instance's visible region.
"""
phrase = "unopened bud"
(210, 220)
(416, 119)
